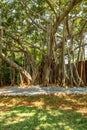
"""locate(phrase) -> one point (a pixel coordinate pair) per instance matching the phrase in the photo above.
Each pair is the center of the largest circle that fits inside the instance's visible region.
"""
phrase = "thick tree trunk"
(63, 65)
(50, 55)
(46, 71)
(25, 74)
(12, 70)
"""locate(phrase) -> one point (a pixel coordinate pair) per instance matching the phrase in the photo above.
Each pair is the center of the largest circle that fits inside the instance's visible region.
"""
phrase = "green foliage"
(5, 72)
(27, 20)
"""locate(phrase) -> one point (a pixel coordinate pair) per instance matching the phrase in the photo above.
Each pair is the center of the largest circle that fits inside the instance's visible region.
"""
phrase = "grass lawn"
(44, 112)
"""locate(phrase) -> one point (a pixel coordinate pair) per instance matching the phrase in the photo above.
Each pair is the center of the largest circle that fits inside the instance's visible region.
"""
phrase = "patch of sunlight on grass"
(32, 118)
(43, 113)
(38, 104)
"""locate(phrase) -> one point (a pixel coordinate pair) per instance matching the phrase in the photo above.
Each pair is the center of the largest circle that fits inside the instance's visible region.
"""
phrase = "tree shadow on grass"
(65, 102)
(32, 118)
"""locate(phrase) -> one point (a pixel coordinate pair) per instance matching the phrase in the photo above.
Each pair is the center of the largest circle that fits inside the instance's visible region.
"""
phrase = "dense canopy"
(43, 42)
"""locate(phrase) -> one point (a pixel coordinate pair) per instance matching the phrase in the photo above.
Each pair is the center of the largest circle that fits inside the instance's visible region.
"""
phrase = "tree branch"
(38, 25)
(66, 12)
(41, 17)
(81, 46)
(51, 6)
(81, 29)
(28, 14)
(17, 67)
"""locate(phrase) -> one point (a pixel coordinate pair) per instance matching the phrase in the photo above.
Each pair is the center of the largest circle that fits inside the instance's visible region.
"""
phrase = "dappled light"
(26, 117)
(46, 112)
(63, 101)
